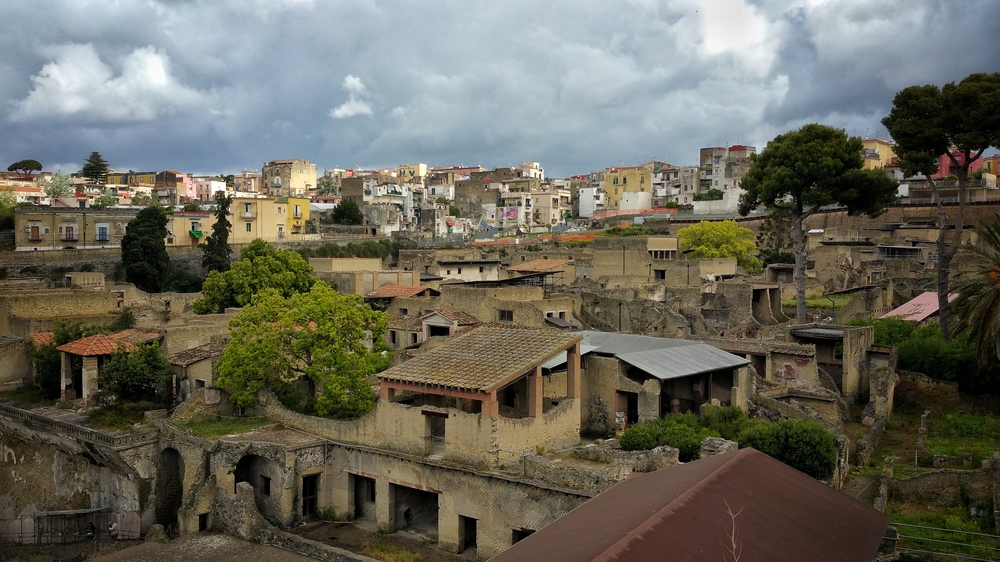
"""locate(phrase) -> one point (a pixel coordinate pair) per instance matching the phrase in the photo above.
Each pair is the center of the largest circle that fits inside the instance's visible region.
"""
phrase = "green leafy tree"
(326, 186)
(25, 167)
(107, 198)
(180, 280)
(710, 195)
(805, 169)
(136, 375)
(216, 248)
(347, 212)
(261, 266)
(321, 335)
(48, 364)
(927, 123)
(724, 239)
(96, 168)
(803, 445)
(143, 199)
(774, 238)
(192, 206)
(977, 308)
(144, 251)
(8, 202)
(59, 186)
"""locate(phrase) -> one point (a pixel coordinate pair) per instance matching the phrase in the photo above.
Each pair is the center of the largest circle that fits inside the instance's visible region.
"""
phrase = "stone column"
(535, 405)
(573, 384)
(65, 377)
(386, 392)
(385, 506)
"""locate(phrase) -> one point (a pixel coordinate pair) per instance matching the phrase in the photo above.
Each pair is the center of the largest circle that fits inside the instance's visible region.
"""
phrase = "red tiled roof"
(92, 346)
(195, 354)
(918, 309)
(135, 336)
(387, 291)
(43, 338)
(461, 318)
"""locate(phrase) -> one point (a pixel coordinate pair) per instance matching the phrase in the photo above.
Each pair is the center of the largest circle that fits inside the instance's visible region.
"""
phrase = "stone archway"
(267, 480)
(169, 486)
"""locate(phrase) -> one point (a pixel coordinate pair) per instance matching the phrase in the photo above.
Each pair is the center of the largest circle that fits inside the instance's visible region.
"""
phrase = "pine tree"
(96, 168)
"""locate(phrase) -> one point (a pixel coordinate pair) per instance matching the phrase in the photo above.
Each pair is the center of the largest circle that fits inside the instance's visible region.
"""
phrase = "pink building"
(946, 167)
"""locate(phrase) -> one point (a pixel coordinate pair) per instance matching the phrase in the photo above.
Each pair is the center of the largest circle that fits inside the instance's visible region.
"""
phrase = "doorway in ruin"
(310, 494)
(169, 487)
(364, 498)
(434, 431)
(416, 511)
(466, 534)
(264, 476)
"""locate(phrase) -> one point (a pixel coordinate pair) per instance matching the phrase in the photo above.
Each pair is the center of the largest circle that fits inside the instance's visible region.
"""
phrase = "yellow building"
(288, 178)
(618, 181)
(131, 178)
(878, 153)
(411, 173)
(272, 220)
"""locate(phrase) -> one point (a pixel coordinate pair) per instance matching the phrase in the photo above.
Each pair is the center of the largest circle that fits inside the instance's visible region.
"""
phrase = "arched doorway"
(266, 479)
(169, 486)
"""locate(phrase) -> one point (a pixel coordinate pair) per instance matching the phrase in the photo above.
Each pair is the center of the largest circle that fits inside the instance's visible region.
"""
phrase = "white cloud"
(731, 25)
(353, 106)
(78, 85)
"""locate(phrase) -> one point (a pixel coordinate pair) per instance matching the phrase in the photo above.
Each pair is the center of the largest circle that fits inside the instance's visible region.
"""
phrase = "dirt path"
(353, 536)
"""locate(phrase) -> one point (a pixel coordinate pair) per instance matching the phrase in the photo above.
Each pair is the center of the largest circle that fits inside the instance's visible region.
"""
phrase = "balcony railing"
(69, 237)
(248, 215)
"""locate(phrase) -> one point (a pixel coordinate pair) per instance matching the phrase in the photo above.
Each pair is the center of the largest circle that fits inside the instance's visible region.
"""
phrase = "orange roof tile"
(135, 336)
(387, 291)
(43, 338)
(459, 317)
(92, 346)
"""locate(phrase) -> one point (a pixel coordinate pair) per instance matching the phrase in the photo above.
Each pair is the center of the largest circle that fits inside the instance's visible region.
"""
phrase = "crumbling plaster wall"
(47, 472)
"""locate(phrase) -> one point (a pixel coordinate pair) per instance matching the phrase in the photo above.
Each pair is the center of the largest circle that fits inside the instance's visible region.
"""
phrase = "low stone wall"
(237, 515)
(918, 388)
(945, 487)
(865, 447)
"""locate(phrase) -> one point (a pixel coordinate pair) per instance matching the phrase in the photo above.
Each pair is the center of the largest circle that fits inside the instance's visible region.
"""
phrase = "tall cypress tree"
(144, 253)
(216, 248)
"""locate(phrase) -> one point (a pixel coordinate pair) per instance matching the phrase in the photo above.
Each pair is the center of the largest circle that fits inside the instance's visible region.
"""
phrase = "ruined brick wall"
(22, 312)
(600, 380)
(945, 487)
(918, 388)
(624, 311)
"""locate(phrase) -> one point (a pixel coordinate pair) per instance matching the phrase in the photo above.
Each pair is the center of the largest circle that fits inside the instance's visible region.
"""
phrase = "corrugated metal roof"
(918, 309)
(683, 513)
(662, 358)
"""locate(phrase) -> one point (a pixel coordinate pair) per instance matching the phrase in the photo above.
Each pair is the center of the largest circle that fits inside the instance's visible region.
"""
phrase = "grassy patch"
(389, 553)
(957, 435)
(954, 519)
(120, 418)
(26, 394)
(213, 429)
(839, 301)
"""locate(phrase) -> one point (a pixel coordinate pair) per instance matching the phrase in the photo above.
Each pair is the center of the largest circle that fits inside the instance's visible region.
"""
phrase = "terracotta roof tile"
(483, 359)
(195, 354)
(92, 346)
(43, 338)
(461, 318)
(388, 291)
(534, 266)
(135, 336)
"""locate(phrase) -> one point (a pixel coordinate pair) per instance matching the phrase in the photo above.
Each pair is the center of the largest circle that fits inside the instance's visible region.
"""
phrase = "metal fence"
(947, 543)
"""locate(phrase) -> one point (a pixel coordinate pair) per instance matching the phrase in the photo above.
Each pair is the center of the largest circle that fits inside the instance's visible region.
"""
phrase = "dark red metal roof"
(683, 514)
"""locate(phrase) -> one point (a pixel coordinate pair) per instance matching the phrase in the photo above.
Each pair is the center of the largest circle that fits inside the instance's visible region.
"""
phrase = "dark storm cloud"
(211, 86)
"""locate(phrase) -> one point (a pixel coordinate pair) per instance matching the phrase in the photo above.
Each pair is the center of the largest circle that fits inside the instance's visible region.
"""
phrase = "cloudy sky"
(210, 86)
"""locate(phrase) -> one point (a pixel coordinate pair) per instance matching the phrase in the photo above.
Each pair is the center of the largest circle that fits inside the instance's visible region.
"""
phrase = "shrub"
(804, 445)
(728, 421)
(87, 267)
(638, 438)
(29, 270)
